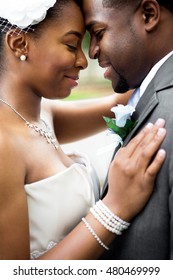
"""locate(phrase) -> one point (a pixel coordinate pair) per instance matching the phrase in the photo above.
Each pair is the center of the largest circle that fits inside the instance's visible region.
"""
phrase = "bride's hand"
(132, 173)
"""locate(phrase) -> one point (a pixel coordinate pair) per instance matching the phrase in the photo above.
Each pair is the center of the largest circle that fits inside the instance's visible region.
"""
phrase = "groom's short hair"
(168, 4)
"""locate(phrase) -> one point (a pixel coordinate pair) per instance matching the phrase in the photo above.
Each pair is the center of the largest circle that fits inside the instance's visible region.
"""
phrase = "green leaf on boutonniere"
(121, 131)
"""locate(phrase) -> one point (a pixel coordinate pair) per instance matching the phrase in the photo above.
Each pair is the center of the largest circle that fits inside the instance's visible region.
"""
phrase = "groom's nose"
(93, 50)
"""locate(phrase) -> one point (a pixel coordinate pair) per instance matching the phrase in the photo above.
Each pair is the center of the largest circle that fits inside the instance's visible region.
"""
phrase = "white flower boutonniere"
(122, 123)
(23, 13)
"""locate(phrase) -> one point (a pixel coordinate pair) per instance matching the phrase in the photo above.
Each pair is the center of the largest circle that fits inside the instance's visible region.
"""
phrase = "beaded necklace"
(47, 133)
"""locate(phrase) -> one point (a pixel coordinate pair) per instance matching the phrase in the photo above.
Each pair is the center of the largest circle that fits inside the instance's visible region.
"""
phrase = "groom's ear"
(17, 42)
(151, 14)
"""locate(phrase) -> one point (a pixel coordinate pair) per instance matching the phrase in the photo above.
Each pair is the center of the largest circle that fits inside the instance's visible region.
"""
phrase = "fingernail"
(160, 122)
(162, 153)
(161, 131)
(149, 125)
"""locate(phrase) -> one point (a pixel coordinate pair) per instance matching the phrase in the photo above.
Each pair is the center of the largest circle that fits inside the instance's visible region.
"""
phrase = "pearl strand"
(108, 219)
(94, 234)
(108, 211)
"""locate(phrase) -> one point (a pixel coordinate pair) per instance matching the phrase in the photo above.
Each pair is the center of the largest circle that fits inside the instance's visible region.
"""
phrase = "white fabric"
(134, 98)
(57, 204)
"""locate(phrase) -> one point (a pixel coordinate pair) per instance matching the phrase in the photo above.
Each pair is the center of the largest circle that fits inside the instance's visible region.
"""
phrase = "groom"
(133, 40)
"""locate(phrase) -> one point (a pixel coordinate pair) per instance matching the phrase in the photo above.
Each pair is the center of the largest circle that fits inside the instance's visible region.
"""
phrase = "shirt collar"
(140, 91)
(152, 73)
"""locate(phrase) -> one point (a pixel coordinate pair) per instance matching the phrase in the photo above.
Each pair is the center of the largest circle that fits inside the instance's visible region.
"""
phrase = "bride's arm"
(74, 120)
(131, 167)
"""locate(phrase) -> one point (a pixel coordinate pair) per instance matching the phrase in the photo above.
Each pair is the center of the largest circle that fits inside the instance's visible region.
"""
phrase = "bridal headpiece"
(23, 13)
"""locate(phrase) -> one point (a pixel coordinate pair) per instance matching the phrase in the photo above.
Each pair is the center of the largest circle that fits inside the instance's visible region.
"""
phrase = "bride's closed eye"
(72, 48)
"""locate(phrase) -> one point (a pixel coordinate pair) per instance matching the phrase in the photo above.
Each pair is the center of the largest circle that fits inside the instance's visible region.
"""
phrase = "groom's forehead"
(96, 13)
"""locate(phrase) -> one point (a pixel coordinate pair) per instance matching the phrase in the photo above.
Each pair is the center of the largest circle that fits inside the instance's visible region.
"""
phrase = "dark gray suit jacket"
(150, 236)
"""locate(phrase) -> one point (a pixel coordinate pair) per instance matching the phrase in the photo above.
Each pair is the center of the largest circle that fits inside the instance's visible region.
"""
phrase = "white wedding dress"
(57, 204)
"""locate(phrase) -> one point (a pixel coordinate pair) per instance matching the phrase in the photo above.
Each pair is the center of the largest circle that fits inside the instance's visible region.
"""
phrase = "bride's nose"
(81, 61)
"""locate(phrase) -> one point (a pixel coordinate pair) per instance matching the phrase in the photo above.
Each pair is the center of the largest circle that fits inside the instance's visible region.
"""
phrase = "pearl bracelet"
(108, 219)
(94, 234)
(104, 223)
(108, 211)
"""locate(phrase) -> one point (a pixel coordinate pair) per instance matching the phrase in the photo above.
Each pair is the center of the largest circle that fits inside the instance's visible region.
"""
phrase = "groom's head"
(128, 37)
(168, 4)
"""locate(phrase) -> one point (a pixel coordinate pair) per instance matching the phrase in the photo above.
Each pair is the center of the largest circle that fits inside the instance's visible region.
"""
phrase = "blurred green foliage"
(88, 93)
(86, 41)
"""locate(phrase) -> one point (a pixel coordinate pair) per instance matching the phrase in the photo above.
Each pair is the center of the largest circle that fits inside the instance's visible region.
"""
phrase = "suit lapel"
(144, 108)
(104, 189)
(149, 101)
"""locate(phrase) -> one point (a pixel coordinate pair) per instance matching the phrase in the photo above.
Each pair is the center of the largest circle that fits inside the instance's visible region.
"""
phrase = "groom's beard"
(120, 86)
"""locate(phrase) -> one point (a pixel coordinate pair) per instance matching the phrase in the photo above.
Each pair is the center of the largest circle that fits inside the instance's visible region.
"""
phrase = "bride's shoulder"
(11, 160)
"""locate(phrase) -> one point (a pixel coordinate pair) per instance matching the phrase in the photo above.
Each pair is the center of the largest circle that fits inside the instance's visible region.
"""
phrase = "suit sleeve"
(171, 201)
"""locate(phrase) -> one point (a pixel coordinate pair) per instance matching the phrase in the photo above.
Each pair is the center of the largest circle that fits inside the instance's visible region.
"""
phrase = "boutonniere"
(122, 123)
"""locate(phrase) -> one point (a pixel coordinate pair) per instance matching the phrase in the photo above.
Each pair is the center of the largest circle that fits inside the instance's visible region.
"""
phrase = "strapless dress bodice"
(57, 204)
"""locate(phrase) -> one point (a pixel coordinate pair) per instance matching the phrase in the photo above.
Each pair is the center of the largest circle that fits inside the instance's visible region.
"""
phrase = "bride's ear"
(17, 43)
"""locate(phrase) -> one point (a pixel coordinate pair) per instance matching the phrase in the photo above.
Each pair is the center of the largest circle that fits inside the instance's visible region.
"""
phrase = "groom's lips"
(107, 74)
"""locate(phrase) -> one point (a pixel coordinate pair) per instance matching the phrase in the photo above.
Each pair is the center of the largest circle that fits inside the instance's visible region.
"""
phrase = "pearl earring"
(23, 57)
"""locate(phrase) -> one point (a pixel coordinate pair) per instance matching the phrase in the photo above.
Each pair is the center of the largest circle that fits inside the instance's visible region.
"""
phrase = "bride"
(48, 209)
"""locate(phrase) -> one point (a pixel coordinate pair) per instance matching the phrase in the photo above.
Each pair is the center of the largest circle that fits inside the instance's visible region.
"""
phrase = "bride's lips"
(73, 80)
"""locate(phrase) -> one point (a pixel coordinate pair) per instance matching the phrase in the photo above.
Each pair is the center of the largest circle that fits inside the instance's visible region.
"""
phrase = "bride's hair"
(53, 13)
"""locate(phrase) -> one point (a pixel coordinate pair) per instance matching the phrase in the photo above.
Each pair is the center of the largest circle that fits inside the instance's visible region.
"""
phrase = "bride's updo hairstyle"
(53, 13)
